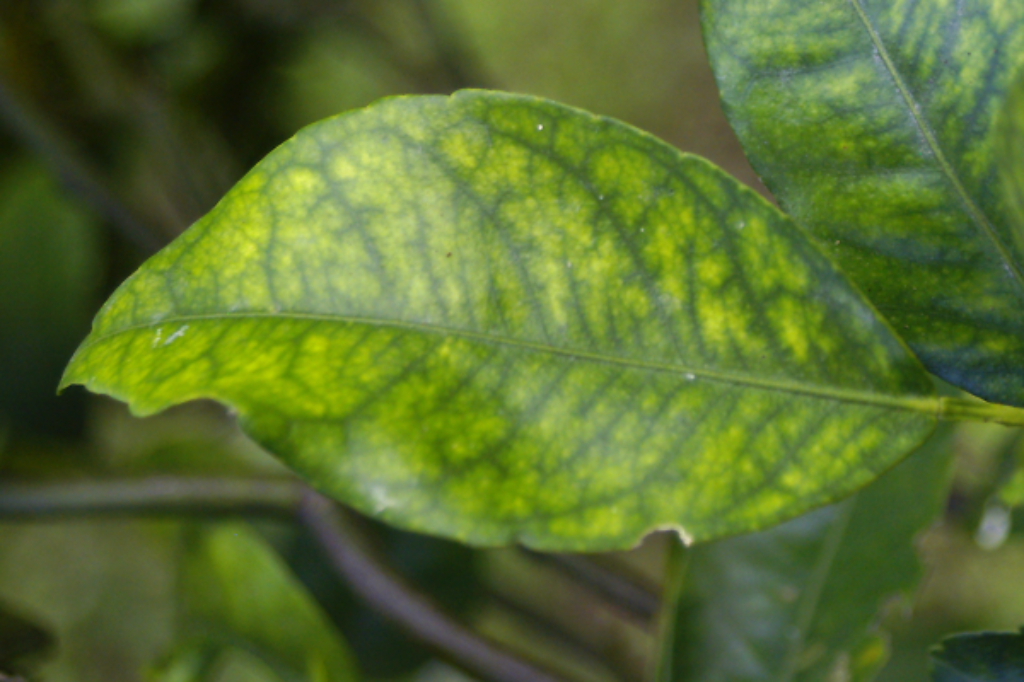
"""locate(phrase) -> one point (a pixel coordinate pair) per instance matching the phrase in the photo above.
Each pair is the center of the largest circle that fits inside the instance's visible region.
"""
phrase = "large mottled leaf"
(980, 657)
(801, 601)
(496, 318)
(874, 124)
(236, 593)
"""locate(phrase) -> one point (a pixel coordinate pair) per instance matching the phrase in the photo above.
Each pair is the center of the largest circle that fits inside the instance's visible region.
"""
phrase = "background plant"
(178, 65)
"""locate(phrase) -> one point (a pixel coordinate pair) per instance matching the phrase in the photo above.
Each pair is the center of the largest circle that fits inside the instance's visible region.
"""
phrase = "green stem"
(676, 563)
(960, 409)
(621, 592)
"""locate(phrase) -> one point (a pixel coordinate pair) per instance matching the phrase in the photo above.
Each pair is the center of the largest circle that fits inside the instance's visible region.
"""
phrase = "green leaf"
(191, 662)
(801, 601)
(237, 593)
(1012, 491)
(49, 272)
(874, 124)
(499, 319)
(980, 657)
(21, 642)
(1011, 152)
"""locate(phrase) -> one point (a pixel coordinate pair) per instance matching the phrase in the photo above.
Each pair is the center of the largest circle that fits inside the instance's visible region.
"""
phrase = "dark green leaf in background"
(49, 272)
(874, 124)
(21, 642)
(801, 601)
(980, 657)
(500, 319)
(236, 593)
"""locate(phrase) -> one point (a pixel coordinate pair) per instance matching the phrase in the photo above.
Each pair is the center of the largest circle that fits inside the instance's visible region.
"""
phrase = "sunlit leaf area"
(539, 381)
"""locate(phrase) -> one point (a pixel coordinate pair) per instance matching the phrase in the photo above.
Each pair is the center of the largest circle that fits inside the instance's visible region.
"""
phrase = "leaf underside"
(874, 123)
(499, 319)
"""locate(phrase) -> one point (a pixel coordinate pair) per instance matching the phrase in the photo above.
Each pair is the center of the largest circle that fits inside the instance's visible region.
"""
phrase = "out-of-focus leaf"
(20, 640)
(1012, 493)
(500, 319)
(801, 601)
(980, 657)
(141, 22)
(190, 663)
(102, 587)
(874, 124)
(49, 271)
(237, 593)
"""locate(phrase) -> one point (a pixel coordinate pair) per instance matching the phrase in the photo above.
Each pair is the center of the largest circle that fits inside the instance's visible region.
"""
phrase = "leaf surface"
(499, 319)
(1011, 152)
(874, 123)
(980, 657)
(236, 593)
(801, 601)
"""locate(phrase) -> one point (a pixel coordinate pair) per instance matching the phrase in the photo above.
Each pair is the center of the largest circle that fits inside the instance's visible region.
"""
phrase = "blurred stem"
(150, 496)
(616, 666)
(389, 595)
(662, 667)
(28, 127)
(618, 591)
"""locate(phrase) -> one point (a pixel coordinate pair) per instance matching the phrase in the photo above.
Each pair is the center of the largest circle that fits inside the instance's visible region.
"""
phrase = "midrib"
(929, 405)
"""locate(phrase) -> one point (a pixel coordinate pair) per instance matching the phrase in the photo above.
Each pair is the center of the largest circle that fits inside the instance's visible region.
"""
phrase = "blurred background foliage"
(122, 121)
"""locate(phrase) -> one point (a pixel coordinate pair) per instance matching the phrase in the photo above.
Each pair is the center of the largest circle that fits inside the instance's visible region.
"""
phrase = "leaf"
(49, 272)
(237, 593)
(801, 601)
(1011, 493)
(192, 662)
(980, 657)
(1011, 153)
(874, 124)
(21, 640)
(499, 319)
